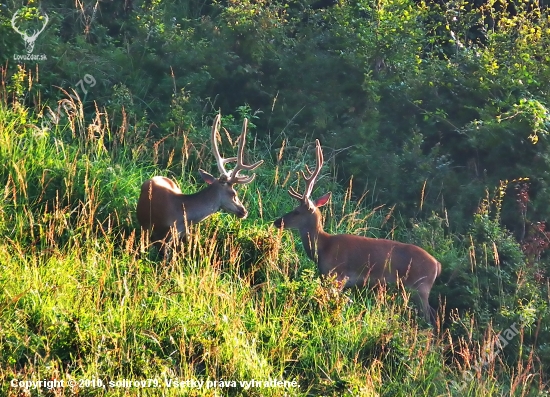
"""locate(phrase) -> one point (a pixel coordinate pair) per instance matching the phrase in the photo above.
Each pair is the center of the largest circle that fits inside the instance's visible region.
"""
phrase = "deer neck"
(199, 206)
(311, 234)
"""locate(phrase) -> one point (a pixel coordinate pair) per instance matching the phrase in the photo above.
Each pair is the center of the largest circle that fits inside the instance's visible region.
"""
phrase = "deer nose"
(242, 214)
(278, 223)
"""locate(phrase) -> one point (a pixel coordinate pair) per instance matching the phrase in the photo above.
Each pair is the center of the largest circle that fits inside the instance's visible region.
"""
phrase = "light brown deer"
(162, 205)
(359, 261)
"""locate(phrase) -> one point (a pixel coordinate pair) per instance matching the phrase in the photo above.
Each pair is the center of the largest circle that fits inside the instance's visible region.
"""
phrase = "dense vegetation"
(434, 122)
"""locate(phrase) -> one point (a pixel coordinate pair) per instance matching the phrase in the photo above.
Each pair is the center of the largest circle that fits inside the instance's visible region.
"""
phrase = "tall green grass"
(84, 297)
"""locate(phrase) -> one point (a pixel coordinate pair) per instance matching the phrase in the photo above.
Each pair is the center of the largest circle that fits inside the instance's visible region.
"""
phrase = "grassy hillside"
(84, 300)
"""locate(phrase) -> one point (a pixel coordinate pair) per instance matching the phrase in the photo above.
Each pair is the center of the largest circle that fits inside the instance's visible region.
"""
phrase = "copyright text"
(151, 383)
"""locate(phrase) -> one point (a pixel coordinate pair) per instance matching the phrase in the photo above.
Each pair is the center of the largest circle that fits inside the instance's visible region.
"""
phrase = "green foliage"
(413, 97)
(421, 107)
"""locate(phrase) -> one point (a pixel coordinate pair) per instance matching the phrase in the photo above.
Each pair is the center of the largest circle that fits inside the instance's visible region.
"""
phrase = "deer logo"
(29, 39)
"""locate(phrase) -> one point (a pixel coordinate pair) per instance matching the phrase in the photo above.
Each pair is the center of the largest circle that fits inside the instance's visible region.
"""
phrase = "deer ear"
(322, 200)
(206, 177)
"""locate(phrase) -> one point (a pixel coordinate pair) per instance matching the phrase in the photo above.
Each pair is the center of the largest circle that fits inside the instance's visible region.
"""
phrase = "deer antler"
(220, 161)
(310, 180)
(233, 176)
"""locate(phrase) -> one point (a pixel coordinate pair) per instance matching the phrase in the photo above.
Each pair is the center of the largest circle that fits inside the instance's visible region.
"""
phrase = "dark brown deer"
(162, 205)
(358, 261)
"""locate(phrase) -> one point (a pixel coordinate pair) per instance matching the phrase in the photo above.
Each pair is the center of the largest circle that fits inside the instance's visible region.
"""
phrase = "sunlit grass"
(83, 295)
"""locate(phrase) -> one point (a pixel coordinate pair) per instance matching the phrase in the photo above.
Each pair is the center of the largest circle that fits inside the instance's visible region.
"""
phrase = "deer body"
(355, 260)
(162, 205)
(358, 259)
(182, 210)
